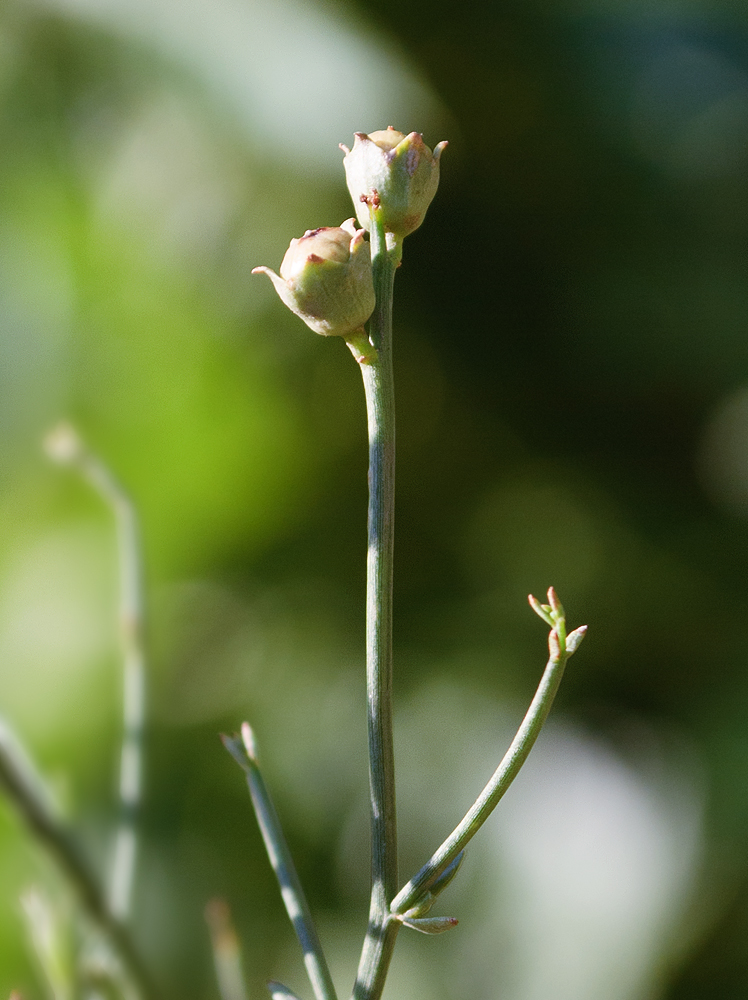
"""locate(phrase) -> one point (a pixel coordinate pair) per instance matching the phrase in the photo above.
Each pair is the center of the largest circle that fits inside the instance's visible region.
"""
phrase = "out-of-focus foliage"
(572, 376)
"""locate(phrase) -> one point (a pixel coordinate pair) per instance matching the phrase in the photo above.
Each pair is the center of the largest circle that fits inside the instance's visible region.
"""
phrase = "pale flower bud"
(400, 172)
(325, 278)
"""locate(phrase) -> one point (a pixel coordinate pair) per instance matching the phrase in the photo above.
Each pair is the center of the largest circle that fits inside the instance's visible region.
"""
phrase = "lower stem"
(380, 405)
(375, 958)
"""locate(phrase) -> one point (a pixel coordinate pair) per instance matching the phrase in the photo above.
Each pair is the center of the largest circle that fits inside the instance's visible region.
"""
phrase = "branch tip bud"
(535, 604)
(541, 610)
(556, 605)
(63, 444)
(248, 739)
(574, 639)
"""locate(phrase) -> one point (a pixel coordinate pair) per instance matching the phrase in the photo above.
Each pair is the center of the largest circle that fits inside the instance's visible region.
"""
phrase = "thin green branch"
(65, 446)
(244, 752)
(561, 649)
(380, 404)
(25, 789)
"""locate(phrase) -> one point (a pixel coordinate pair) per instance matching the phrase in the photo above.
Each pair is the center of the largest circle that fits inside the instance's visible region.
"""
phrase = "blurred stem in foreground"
(25, 789)
(50, 935)
(227, 956)
(65, 446)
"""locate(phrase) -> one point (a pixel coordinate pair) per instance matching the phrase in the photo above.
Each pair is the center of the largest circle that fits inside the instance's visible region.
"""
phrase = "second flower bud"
(326, 279)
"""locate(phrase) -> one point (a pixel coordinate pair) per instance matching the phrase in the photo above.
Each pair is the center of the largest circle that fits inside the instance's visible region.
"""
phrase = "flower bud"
(400, 172)
(325, 278)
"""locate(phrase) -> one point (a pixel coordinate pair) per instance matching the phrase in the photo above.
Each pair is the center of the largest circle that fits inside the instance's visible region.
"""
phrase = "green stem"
(244, 753)
(380, 405)
(65, 446)
(227, 956)
(25, 789)
(122, 873)
(500, 781)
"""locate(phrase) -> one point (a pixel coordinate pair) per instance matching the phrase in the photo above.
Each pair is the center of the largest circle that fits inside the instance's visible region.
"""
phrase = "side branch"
(561, 648)
(65, 446)
(243, 750)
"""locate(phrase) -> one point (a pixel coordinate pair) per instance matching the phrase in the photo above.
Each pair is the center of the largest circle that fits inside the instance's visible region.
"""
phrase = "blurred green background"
(572, 379)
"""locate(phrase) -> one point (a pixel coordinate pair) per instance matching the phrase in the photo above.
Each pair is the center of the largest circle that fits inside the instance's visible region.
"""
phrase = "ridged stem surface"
(380, 405)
